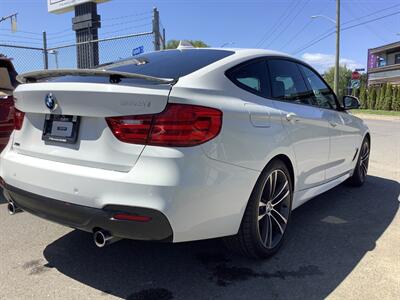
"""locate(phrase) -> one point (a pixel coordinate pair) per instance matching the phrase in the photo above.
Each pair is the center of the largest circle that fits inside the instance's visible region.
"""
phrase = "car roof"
(246, 51)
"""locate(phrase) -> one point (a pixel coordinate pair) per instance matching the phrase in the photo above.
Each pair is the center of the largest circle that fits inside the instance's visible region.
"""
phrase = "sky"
(284, 25)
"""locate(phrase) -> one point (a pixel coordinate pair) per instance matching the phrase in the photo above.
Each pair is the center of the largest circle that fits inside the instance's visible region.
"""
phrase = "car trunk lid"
(90, 103)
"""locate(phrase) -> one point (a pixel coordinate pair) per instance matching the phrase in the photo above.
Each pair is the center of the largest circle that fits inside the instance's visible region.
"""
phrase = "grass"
(375, 112)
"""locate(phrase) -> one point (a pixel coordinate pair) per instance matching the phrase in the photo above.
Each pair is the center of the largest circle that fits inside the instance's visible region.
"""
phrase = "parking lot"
(342, 244)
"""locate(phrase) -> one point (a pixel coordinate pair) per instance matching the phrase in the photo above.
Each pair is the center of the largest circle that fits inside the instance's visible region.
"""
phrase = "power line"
(22, 31)
(21, 37)
(124, 23)
(371, 14)
(372, 20)
(289, 23)
(370, 29)
(127, 28)
(274, 27)
(128, 16)
(61, 31)
(16, 42)
(297, 34)
(314, 42)
(344, 29)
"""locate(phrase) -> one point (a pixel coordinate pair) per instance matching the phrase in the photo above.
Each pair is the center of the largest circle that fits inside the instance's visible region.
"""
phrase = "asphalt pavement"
(344, 244)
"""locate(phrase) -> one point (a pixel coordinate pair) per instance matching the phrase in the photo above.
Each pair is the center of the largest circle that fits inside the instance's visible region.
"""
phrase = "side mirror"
(350, 102)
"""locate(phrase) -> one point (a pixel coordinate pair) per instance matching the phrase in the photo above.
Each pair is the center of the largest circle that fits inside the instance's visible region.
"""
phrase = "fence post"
(45, 52)
(156, 29)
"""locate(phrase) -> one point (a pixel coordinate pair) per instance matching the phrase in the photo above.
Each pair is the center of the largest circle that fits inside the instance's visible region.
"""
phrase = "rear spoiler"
(115, 76)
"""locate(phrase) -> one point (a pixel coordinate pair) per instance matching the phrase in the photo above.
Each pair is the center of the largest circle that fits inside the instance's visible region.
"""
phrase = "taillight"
(179, 125)
(18, 119)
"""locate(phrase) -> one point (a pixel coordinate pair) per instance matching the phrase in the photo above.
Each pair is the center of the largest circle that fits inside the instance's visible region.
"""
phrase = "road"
(342, 244)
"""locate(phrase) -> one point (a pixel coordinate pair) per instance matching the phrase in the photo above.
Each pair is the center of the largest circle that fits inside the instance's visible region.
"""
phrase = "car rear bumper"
(88, 218)
(200, 198)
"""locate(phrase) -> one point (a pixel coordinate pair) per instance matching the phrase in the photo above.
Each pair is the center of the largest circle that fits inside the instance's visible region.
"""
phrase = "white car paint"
(202, 190)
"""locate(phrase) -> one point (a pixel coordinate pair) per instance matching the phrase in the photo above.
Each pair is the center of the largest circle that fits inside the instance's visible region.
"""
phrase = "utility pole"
(13, 18)
(337, 57)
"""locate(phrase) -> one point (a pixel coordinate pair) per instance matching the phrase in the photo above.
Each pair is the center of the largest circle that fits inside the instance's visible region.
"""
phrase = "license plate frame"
(66, 131)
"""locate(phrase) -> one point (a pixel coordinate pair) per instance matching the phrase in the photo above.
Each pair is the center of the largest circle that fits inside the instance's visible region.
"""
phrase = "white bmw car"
(181, 145)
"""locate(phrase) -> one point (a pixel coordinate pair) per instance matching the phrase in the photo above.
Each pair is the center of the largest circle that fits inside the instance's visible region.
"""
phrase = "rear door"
(343, 134)
(81, 108)
(305, 123)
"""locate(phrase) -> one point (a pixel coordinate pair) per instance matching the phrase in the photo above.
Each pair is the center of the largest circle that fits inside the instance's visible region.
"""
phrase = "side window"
(323, 95)
(287, 82)
(251, 77)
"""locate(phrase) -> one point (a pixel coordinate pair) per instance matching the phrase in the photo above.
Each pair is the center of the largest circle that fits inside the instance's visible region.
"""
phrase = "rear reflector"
(18, 119)
(127, 217)
(179, 125)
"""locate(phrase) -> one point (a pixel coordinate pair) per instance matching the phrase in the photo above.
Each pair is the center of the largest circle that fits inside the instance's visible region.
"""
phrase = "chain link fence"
(24, 58)
(110, 49)
(27, 58)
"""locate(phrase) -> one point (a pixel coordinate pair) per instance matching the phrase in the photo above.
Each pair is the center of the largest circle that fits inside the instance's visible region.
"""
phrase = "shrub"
(394, 96)
(372, 98)
(380, 97)
(396, 103)
(387, 100)
(363, 97)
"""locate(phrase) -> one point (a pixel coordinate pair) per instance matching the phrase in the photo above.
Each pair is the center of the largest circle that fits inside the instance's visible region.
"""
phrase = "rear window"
(164, 64)
(251, 76)
(170, 63)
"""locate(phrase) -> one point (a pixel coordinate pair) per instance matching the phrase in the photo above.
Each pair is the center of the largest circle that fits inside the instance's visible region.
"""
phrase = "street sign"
(360, 70)
(62, 6)
(355, 75)
(355, 84)
(138, 50)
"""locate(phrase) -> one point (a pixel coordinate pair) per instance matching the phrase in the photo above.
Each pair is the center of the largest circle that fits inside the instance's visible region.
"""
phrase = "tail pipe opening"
(103, 238)
(12, 208)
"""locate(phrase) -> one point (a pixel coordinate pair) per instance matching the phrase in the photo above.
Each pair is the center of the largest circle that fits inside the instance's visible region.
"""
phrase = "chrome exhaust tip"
(12, 208)
(103, 238)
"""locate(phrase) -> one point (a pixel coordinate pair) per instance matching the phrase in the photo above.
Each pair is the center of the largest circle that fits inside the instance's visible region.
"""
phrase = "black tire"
(361, 168)
(261, 238)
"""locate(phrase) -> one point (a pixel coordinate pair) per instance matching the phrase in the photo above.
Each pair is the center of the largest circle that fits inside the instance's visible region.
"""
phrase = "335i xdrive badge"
(233, 141)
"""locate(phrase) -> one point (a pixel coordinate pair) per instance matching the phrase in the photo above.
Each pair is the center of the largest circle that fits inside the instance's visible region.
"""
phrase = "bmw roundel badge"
(50, 101)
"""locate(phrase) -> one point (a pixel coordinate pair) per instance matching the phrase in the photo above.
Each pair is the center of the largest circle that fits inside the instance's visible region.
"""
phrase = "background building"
(384, 64)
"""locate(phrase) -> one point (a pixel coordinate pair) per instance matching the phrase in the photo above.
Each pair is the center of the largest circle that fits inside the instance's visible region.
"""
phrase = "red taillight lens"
(179, 125)
(18, 119)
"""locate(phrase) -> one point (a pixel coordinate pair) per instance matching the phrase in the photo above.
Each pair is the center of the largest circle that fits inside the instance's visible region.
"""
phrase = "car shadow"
(328, 237)
(2, 199)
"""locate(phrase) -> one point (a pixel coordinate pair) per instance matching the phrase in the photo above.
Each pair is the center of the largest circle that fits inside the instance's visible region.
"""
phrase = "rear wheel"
(361, 169)
(267, 215)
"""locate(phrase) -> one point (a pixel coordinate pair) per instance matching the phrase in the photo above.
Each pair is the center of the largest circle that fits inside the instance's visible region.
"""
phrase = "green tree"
(396, 104)
(173, 44)
(394, 97)
(380, 96)
(372, 97)
(344, 79)
(387, 102)
(363, 97)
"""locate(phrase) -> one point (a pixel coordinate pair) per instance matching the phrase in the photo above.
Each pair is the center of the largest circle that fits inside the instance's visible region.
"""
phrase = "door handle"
(333, 124)
(292, 117)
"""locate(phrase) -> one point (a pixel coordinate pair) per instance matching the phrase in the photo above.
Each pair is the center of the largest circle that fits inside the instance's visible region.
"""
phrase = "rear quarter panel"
(247, 138)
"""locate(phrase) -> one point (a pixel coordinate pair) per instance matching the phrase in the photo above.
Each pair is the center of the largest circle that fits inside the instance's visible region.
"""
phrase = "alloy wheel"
(274, 209)
(364, 160)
